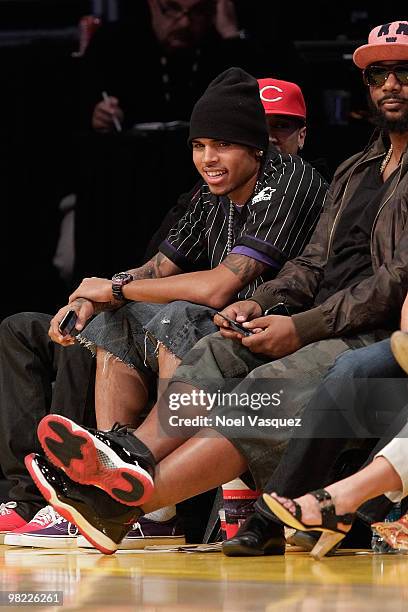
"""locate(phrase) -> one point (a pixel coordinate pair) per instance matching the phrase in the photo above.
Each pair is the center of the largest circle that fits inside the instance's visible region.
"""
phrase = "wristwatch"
(119, 280)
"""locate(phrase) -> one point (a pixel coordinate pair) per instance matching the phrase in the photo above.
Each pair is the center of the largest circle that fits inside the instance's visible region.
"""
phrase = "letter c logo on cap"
(265, 98)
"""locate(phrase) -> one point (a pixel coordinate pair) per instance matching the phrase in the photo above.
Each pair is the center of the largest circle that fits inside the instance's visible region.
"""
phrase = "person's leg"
(134, 346)
(203, 462)
(29, 364)
(378, 477)
(393, 446)
(213, 364)
(370, 492)
(121, 392)
(122, 395)
(126, 363)
(340, 404)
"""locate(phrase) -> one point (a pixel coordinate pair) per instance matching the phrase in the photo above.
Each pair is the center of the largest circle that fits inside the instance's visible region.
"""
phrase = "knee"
(345, 363)
(14, 324)
(203, 348)
(367, 362)
(24, 325)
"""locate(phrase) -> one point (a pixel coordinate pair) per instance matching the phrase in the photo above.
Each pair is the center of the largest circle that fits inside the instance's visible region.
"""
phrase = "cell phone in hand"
(68, 323)
(236, 326)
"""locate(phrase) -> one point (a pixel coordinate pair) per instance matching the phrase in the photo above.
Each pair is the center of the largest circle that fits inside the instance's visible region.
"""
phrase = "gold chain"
(386, 159)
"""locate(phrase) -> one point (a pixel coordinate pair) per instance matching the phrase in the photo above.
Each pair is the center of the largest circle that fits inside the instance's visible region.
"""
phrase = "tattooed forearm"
(244, 267)
(145, 271)
(157, 267)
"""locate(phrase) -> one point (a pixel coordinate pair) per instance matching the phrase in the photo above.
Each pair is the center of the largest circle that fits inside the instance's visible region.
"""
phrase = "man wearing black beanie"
(231, 110)
(254, 209)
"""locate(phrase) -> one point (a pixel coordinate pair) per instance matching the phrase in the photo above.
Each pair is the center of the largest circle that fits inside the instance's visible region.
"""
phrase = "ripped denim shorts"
(134, 332)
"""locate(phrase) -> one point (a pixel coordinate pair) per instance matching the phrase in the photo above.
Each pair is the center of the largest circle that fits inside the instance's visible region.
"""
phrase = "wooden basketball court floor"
(169, 582)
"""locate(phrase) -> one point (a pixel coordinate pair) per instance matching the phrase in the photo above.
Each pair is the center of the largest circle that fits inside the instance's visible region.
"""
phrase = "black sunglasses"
(375, 76)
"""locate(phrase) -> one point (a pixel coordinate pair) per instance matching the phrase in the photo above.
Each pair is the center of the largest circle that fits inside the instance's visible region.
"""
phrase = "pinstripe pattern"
(276, 223)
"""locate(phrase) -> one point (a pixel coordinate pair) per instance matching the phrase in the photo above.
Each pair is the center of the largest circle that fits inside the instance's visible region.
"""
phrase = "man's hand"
(239, 312)
(84, 310)
(276, 336)
(93, 289)
(226, 22)
(104, 114)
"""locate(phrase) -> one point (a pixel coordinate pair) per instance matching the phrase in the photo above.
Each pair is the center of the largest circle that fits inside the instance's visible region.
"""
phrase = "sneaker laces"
(50, 518)
(119, 429)
(6, 507)
(72, 529)
(137, 526)
(45, 516)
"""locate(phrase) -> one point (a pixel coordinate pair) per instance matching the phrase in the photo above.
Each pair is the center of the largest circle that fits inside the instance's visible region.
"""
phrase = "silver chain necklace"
(230, 238)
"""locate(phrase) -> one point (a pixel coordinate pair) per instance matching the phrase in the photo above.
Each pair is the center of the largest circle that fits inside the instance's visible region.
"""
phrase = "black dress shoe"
(102, 520)
(256, 537)
(304, 539)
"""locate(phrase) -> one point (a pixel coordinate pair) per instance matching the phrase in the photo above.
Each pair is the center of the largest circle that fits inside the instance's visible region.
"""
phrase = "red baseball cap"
(385, 42)
(282, 98)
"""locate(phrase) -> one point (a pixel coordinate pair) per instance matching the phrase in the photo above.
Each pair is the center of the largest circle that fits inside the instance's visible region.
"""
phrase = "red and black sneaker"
(114, 461)
(103, 521)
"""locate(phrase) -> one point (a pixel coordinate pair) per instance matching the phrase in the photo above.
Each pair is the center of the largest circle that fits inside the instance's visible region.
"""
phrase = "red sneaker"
(9, 519)
(44, 518)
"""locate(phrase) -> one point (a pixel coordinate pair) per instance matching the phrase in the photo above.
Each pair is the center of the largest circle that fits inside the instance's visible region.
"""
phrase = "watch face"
(122, 278)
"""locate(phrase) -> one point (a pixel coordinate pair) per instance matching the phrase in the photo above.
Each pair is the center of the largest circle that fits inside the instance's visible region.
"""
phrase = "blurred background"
(78, 200)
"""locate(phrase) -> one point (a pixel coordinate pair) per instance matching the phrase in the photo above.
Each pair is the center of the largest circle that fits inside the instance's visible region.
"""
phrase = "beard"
(398, 124)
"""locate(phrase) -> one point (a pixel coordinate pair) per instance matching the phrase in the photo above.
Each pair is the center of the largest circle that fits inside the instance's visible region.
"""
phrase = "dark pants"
(364, 395)
(29, 364)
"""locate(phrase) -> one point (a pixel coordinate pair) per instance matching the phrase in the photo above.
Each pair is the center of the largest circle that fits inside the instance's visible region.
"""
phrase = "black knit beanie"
(231, 109)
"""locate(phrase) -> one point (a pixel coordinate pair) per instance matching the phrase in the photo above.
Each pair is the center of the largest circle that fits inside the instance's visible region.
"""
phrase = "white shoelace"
(72, 529)
(5, 508)
(46, 516)
(136, 526)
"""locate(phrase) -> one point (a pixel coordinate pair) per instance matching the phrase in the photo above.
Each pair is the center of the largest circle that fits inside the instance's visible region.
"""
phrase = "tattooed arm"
(99, 290)
(160, 281)
(245, 268)
(213, 288)
(159, 266)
